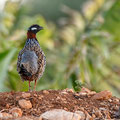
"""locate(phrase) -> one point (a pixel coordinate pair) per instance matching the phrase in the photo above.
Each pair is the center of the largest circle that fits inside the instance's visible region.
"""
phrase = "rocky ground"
(59, 105)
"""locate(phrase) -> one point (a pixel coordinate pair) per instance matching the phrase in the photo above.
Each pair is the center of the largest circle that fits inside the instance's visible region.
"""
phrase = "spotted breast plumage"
(31, 59)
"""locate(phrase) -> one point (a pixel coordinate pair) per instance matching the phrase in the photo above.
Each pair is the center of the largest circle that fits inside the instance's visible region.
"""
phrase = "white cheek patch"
(34, 28)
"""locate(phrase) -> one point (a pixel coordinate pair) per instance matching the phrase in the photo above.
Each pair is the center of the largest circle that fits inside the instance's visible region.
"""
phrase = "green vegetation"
(81, 44)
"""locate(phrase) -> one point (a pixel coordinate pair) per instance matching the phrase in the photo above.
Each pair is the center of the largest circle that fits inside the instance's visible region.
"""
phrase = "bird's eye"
(34, 28)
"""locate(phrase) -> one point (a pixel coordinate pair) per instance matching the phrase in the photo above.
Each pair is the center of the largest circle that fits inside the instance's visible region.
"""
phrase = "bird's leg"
(29, 86)
(35, 84)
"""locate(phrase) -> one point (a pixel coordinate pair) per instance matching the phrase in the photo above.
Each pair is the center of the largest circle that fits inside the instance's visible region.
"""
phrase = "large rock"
(59, 114)
(104, 95)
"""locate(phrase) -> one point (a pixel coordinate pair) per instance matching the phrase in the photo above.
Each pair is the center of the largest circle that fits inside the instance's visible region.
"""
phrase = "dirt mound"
(97, 105)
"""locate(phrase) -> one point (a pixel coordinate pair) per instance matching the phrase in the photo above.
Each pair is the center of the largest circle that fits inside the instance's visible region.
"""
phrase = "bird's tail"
(24, 72)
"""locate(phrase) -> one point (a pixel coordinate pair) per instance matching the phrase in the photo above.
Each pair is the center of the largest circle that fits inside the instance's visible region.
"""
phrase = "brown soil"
(59, 99)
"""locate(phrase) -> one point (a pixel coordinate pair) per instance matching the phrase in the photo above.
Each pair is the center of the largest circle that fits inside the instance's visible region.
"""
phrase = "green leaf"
(5, 58)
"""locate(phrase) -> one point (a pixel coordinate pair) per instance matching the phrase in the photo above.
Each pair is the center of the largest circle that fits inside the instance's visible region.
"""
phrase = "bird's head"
(32, 30)
(35, 28)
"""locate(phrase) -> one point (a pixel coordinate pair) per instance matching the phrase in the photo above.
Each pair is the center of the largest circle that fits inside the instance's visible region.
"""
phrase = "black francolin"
(31, 59)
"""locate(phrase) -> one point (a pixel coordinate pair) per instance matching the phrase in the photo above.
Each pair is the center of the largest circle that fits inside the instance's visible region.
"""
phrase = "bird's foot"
(34, 89)
(30, 90)
(29, 87)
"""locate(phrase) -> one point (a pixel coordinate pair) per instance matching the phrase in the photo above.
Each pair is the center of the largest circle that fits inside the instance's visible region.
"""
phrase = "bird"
(31, 59)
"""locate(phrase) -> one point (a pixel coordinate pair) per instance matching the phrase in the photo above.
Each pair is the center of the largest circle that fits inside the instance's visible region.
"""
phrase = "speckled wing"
(19, 59)
(41, 61)
(29, 61)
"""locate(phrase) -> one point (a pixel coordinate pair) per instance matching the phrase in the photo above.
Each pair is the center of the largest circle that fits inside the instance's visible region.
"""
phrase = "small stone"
(25, 104)
(82, 94)
(104, 95)
(98, 114)
(85, 90)
(93, 116)
(91, 93)
(16, 112)
(109, 100)
(69, 90)
(35, 95)
(18, 97)
(26, 95)
(46, 92)
(116, 101)
(40, 97)
(58, 98)
(64, 92)
(7, 106)
(115, 108)
(82, 109)
(63, 100)
(5, 115)
(65, 108)
(102, 109)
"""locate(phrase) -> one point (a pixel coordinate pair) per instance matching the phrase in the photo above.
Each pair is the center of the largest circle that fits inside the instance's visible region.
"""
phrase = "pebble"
(25, 104)
(64, 92)
(69, 90)
(63, 100)
(102, 109)
(85, 90)
(26, 95)
(98, 114)
(35, 95)
(58, 98)
(40, 97)
(7, 106)
(65, 108)
(109, 100)
(46, 92)
(116, 101)
(115, 108)
(91, 93)
(82, 94)
(93, 116)
(16, 112)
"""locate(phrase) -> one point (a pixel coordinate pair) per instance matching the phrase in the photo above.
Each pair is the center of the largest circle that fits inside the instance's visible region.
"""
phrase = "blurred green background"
(81, 41)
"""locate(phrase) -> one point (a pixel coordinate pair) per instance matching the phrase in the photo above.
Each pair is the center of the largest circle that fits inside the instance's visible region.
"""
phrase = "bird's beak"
(41, 28)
